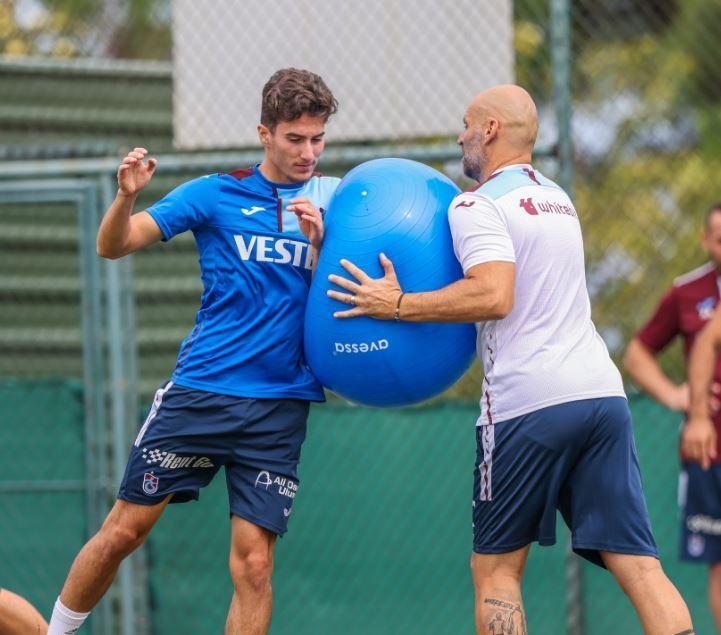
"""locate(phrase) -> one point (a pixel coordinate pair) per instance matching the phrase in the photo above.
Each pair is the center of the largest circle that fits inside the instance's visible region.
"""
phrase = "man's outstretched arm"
(122, 232)
(485, 293)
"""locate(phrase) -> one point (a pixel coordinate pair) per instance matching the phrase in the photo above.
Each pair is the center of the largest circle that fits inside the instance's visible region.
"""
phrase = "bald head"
(514, 110)
(501, 126)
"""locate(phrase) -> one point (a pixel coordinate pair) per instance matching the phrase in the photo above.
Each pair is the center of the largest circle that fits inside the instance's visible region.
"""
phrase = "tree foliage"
(133, 29)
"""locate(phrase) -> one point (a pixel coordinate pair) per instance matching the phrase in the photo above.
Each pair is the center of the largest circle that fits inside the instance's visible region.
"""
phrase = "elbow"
(501, 311)
(104, 251)
(634, 356)
(500, 308)
(627, 359)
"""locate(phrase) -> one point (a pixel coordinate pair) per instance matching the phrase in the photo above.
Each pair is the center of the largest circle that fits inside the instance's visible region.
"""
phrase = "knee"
(491, 570)
(252, 569)
(121, 539)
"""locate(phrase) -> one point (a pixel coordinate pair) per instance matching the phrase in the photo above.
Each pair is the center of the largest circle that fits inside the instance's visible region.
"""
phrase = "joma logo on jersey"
(283, 251)
(361, 347)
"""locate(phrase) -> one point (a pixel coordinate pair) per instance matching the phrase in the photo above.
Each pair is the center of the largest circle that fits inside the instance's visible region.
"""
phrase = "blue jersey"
(256, 269)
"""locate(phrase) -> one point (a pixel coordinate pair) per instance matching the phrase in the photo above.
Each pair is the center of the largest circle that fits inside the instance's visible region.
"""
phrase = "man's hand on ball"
(374, 297)
(309, 219)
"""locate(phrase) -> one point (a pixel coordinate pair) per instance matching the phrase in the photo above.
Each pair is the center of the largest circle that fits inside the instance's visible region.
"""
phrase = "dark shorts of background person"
(190, 434)
(699, 493)
(578, 457)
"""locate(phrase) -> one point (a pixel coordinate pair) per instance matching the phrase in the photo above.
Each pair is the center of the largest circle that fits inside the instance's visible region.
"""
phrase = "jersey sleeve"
(328, 186)
(186, 207)
(663, 325)
(480, 233)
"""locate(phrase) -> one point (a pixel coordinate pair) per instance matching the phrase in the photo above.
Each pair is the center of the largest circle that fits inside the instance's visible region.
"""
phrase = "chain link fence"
(397, 75)
(382, 535)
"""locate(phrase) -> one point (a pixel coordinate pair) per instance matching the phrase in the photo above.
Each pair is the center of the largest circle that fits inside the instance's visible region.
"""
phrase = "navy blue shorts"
(578, 457)
(699, 494)
(189, 434)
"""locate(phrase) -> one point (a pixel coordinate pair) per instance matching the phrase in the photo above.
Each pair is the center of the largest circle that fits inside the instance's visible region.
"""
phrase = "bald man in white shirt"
(555, 431)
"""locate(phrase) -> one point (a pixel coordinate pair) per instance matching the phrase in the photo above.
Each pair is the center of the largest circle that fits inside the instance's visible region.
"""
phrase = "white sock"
(64, 621)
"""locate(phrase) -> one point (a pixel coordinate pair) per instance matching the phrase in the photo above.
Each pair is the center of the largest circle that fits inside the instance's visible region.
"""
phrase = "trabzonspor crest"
(150, 483)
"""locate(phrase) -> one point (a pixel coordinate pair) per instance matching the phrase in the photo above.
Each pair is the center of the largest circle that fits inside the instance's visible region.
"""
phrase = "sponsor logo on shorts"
(150, 483)
(283, 485)
(286, 512)
(173, 461)
(263, 479)
(360, 347)
(696, 545)
(702, 524)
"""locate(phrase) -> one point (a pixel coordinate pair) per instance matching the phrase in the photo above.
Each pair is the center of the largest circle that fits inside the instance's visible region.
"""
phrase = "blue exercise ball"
(400, 208)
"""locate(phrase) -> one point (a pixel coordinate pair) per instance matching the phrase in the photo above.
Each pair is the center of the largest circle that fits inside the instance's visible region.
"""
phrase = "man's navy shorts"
(699, 493)
(189, 434)
(578, 457)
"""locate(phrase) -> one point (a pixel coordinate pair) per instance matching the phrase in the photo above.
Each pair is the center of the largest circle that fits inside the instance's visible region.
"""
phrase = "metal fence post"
(83, 194)
(123, 399)
(560, 21)
(91, 298)
(94, 384)
(560, 27)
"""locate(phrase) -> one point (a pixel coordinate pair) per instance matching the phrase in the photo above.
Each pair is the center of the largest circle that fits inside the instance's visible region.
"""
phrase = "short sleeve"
(663, 325)
(480, 233)
(188, 206)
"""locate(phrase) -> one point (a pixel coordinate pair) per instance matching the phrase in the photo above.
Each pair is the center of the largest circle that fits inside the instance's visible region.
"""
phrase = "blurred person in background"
(240, 393)
(555, 430)
(684, 311)
(18, 616)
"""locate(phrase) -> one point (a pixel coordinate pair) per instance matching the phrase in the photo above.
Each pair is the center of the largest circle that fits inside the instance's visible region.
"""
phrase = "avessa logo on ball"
(398, 207)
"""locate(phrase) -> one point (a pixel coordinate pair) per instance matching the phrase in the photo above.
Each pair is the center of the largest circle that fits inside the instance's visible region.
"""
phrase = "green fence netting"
(379, 541)
(42, 485)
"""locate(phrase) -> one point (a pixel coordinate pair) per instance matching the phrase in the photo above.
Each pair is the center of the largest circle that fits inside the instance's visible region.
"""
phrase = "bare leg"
(251, 567)
(714, 593)
(659, 605)
(232, 625)
(19, 617)
(497, 584)
(94, 569)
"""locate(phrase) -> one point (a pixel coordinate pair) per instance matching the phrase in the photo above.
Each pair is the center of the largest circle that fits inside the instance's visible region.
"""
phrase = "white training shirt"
(546, 351)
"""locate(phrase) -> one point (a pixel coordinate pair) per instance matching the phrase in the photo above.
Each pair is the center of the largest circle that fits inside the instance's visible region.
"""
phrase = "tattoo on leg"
(506, 616)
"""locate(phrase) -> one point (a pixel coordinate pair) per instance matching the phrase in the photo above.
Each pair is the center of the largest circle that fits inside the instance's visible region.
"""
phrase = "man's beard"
(473, 166)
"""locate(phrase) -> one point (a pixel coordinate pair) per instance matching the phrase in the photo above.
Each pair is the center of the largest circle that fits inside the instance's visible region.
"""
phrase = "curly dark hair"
(292, 92)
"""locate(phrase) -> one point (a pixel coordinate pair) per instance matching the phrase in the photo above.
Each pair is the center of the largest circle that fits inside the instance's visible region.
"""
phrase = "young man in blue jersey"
(240, 392)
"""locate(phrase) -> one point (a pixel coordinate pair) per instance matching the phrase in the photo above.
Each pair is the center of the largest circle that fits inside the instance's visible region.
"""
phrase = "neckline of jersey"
(273, 185)
(512, 167)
